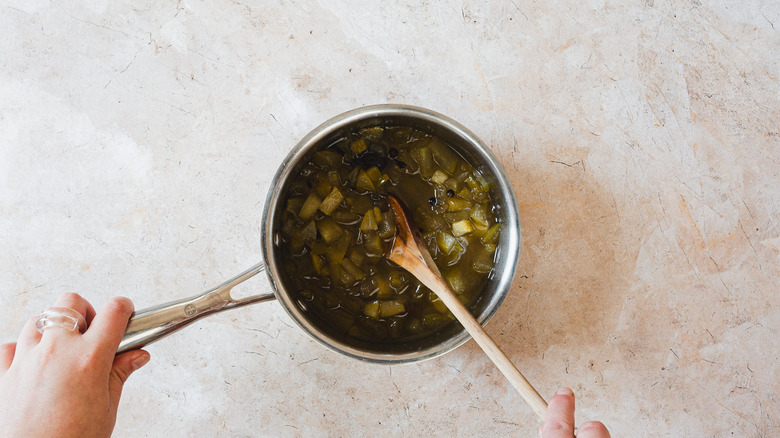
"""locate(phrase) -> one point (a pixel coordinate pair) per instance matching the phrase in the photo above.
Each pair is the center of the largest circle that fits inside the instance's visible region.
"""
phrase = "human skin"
(559, 420)
(63, 383)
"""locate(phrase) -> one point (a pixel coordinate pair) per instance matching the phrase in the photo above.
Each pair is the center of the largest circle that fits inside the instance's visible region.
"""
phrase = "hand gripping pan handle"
(149, 325)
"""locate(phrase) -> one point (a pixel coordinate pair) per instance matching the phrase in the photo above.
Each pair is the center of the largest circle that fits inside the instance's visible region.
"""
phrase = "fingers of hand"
(123, 366)
(29, 337)
(592, 429)
(559, 421)
(109, 325)
(7, 352)
(76, 302)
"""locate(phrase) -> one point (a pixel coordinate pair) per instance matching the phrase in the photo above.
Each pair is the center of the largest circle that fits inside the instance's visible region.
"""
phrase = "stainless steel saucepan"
(149, 325)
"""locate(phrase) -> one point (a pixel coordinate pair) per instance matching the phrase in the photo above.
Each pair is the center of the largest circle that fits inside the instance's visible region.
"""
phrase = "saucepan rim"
(469, 144)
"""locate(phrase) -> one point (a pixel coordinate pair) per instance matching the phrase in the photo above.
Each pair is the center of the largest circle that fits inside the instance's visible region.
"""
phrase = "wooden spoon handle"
(494, 352)
(488, 345)
(409, 251)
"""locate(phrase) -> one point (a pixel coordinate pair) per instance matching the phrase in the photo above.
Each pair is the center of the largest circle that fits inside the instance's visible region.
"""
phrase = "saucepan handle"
(153, 323)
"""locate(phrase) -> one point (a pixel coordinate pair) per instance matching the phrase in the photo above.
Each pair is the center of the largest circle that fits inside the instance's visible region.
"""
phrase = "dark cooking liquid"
(337, 224)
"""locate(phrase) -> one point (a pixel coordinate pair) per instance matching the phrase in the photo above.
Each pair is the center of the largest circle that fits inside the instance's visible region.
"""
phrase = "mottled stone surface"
(642, 138)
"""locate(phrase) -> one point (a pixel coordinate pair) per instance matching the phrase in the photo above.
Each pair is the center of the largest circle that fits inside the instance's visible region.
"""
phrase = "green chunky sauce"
(337, 224)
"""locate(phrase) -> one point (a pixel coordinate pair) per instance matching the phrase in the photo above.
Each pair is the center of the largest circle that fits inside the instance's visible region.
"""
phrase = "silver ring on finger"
(62, 317)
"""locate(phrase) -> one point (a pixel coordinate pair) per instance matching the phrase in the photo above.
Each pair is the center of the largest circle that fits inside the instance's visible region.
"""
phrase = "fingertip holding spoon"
(409, 252)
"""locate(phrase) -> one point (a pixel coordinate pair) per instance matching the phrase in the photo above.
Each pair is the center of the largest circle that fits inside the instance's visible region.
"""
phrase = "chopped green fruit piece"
(478, 215)
(330, 230)
(323, 185)
(454, 257)
(465, 194)
(346, 217)
(391, 308)
(353, 305)
(395, 327)
(361, 204)
(397, 279)
(386, 226)
(353, 269)
(363, 182)
(294, 205)
(352, 175)
(429, 239)
(438, 303)
(374, 175)
(336, 253)
(445, 241)
(456, 216)
(358, 146)
(382, 287)
(491, 236)
(369, 222)
(334, 178)
(327, 159)
(479, 230)
(296, 243)
(454, 278)
(367, 288)
(455, 204)
(288, 226)
(310, 206)
(484, 186)
(394, 173)
(373, 244)
(372, 309)
(439, 177)
(357, 256)
(331, 202)
(432, 320)
(461, 175)
(318, 247)
(429, 221)
(419, 293)
(309, 232)
(477, 184)
(402, 135)
(407, 157)
(465, 167)
(373, 133)
(334, 272)
(462, 228)
(444, 156)
(483, 265)
(318, 263)
(424, 160)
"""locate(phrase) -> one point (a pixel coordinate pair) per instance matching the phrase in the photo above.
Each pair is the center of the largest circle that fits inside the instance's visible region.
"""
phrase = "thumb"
(124, 365)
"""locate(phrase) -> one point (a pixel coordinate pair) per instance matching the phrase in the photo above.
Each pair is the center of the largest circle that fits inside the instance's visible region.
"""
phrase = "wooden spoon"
(409, 252)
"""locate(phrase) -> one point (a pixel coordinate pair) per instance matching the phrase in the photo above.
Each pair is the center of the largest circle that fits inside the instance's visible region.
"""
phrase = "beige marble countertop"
(642, 138)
